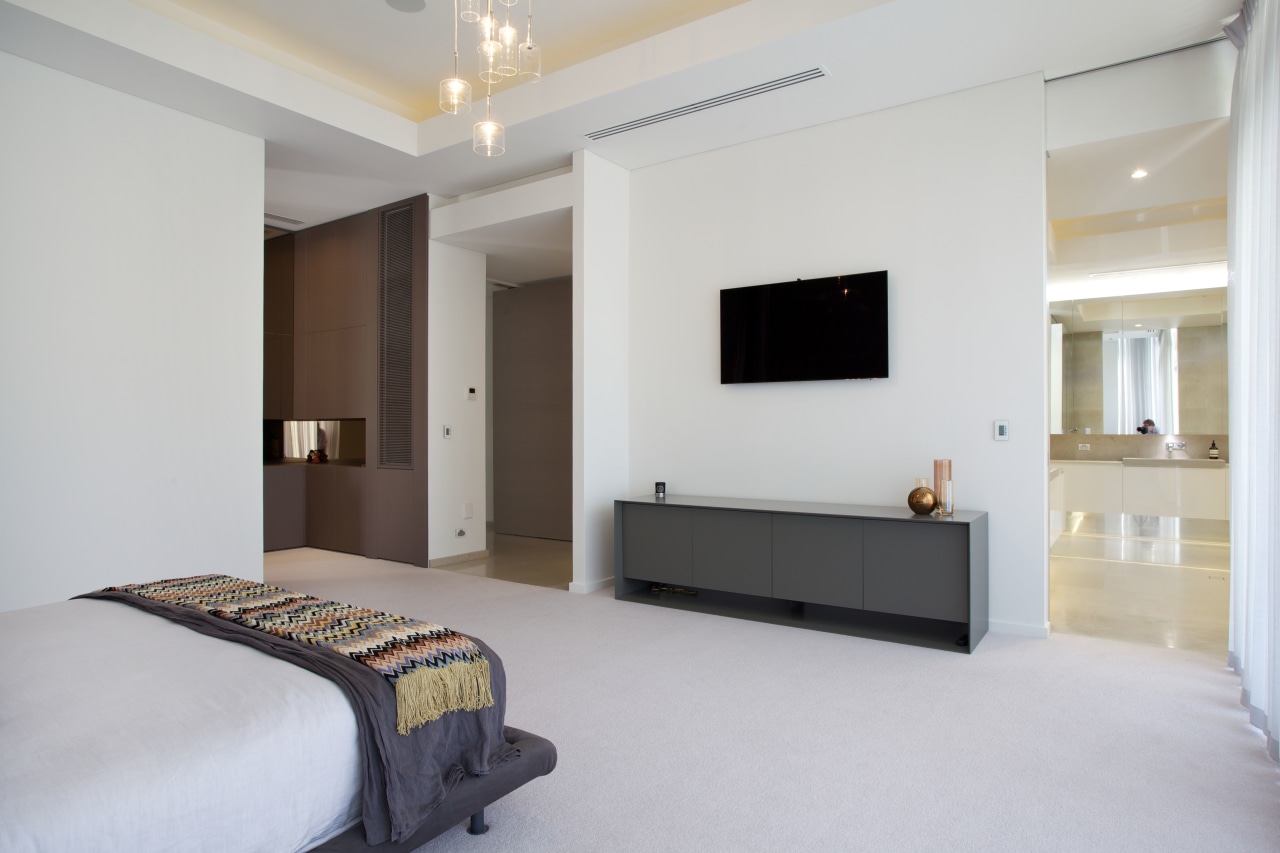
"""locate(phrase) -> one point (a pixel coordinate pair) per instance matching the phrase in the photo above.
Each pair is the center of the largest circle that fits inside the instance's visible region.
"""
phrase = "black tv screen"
(821, 328)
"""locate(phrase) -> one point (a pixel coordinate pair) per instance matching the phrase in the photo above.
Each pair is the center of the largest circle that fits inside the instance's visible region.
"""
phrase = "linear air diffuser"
(718, 101)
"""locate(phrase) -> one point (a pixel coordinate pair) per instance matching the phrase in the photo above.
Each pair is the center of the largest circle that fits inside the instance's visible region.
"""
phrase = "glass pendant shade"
(472, 10)
(507, 59)
(508, 2)
(530, 61)
(490, 56)
(488, 138)
(455, 95)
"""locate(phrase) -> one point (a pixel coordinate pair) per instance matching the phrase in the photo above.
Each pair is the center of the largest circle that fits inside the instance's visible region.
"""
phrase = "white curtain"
(1147, 386)
(1254, 352)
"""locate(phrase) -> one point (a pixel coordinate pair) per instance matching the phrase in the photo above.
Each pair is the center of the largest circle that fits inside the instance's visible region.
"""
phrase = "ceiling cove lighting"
(501, 55)
(1109, 285)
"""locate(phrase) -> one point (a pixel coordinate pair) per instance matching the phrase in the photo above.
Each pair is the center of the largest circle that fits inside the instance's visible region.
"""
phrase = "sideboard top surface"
(806, 508)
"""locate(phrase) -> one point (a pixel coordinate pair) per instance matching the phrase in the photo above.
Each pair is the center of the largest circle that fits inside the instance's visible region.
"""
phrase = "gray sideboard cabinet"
(878, 572)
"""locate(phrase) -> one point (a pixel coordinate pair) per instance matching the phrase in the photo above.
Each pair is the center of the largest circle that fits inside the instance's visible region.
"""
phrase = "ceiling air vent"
(718, 101)
(283, 219)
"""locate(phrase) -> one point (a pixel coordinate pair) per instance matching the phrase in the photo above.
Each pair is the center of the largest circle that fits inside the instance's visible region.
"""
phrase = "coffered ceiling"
(344, 91)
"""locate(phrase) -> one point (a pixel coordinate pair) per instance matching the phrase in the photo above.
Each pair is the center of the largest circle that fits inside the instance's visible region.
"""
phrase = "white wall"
(456, 295)
(130, 340)
(1163, 91)
(948, 196)
(601, 215)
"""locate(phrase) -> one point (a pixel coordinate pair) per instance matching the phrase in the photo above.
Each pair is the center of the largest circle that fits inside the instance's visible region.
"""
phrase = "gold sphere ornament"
(922, 500)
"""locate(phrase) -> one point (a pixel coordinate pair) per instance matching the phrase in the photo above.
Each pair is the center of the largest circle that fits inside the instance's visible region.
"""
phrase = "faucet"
(1174, 445)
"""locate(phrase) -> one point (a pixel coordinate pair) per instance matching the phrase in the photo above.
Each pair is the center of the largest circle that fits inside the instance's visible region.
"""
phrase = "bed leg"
(477, 826)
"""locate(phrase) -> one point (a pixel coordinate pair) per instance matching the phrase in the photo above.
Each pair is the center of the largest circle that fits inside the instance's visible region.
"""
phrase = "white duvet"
(122, 731)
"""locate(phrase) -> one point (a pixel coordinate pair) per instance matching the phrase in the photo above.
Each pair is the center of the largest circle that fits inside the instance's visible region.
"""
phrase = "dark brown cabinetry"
(879, 572)
(335, 373)
(284, 502)
(336, 501)
(277, 328)
(322, 289)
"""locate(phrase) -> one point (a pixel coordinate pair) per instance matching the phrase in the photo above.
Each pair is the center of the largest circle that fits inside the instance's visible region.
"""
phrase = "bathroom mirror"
(1157, 356)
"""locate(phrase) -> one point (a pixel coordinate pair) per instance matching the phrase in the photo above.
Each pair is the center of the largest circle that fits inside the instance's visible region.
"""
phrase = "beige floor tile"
(1134, 579)
(522, 559)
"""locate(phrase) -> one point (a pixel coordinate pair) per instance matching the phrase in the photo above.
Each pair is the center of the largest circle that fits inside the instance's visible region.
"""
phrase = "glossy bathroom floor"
(522, 559)
(1143, 579)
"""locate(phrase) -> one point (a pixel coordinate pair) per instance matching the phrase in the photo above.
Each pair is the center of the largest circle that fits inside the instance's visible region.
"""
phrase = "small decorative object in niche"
(922, 499)
(946, 501)
(660, 490)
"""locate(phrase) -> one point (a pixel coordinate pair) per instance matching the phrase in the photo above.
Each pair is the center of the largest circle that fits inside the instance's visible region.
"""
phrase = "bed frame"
(467, 801)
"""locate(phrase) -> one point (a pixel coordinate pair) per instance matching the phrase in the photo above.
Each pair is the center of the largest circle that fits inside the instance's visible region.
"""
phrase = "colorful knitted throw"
(434, 670)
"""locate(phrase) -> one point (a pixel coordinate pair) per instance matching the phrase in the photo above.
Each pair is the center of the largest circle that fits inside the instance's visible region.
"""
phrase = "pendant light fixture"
(501, 55)
(508, 38)
(490, 49)
(488, 137)
(455, 93)
(530, 53)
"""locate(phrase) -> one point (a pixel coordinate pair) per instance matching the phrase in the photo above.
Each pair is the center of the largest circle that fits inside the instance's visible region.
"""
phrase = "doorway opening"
(1139, 491)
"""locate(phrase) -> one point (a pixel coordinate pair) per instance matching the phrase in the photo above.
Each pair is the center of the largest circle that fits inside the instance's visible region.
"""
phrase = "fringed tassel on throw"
(427, 694)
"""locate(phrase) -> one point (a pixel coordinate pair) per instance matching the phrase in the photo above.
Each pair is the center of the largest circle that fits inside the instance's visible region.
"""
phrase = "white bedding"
(123, 731)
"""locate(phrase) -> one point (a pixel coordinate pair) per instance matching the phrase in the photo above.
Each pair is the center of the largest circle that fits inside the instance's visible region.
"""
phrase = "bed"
(122, 730)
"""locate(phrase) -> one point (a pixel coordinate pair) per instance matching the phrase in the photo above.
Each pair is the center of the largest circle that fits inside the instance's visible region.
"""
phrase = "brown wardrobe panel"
(277, 324)
(277, 285)
(533, 410)
(335, 267)
(327, 320)
(339, 383)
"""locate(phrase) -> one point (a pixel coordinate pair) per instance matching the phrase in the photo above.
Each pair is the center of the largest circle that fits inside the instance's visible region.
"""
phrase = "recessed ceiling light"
(1139, 173)
(1137, 325)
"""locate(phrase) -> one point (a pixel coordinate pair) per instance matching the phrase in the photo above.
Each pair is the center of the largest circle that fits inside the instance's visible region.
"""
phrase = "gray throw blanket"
(405, 777)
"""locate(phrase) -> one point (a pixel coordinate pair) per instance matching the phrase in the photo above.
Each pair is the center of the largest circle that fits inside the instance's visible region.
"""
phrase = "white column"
(601, 238)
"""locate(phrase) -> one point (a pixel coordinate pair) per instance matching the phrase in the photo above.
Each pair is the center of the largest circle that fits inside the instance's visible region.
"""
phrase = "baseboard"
(590, 586)
(437, 562)
(1040, 632)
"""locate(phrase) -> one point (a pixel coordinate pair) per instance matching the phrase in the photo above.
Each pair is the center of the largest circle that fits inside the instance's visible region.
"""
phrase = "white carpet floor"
(686, 732)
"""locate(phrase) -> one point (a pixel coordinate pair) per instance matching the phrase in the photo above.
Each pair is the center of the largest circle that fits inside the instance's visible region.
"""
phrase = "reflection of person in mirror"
(1148, 427)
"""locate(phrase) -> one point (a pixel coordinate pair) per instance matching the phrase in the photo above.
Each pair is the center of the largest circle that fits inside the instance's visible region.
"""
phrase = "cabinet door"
(818, 559)
(733, 551)
(349, 501)
(321, 509)
(284, 507)
(657, 543)
(917, 569)
(335, 508)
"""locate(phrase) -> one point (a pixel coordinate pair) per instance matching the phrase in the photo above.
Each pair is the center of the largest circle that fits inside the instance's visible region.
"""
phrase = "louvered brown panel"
(395, 340)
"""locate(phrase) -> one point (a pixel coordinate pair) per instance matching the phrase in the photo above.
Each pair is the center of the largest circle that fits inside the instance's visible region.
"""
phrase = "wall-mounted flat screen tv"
(821, 328)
